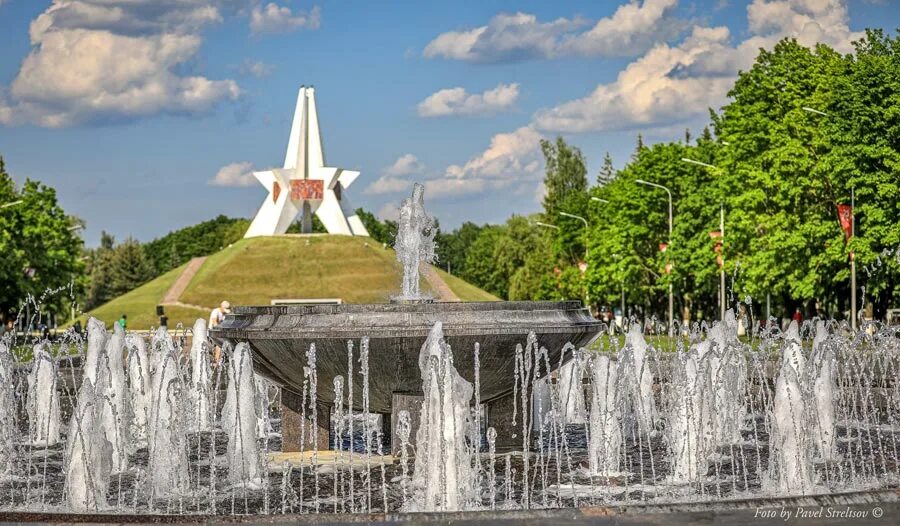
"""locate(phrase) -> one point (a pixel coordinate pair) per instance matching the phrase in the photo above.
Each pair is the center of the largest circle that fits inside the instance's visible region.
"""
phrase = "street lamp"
(671, 302)
(12, 203)
(604, 201)
(546, 225)
(722, 231)
(813, 110)
(852, 234)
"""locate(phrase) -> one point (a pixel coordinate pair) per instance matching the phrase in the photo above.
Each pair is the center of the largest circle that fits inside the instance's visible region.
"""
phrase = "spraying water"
(43, 399)
(415, 241)
(167, 443)
(640, 382)
(89, 456)
(239, 419)
(606, 416)
(442, 477)
(138, 387)
(821, 409)
(8, 420)
(571, 391)
(789, 461)
(201, 378)
(110, 389)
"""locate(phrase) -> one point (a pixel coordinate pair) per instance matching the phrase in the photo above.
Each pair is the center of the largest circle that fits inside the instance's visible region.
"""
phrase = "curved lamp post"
(671, 302)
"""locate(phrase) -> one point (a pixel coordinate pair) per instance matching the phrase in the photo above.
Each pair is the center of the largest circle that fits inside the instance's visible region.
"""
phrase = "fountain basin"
(280, 336)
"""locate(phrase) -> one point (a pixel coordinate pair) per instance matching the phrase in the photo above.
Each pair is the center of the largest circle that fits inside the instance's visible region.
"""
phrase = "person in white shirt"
(216, 317)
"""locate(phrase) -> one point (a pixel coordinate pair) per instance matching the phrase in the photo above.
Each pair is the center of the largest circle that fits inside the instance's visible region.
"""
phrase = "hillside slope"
(255, 271)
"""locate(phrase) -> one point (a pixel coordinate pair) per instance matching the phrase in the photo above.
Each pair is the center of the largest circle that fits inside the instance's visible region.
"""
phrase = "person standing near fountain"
(415, 241)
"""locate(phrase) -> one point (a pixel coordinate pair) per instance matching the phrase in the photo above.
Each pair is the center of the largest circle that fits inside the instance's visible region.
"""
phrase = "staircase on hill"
(177, 289)
(437, 283)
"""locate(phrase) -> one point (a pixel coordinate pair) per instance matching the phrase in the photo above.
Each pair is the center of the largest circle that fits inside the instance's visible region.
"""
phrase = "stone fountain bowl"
(280, 337)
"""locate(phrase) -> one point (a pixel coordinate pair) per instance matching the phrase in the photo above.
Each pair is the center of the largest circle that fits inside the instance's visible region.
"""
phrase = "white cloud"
(511, 159)
(395, 178)
(388, 212)
(280, 19)
(234, 174)
(630, 30)
(253, 68)
(456, 101)
(106, 60)
(676, 83)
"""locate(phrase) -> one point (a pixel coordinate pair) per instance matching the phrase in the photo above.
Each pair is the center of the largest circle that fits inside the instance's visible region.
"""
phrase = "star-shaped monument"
(305, 186)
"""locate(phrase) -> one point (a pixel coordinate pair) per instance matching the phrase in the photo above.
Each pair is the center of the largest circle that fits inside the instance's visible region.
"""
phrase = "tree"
(453, 246)
(566, 182)
(607, 172)
(380, 231)
(179, 246)
(128, 268)
(39, 249)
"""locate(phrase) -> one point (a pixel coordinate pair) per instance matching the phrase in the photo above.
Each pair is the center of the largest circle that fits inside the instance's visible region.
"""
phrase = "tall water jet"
(200, 378)
(789, 463)
(724, 408)
(138, 387)
(442, 479)
(239, 419)
(110, 391)
(43, 399)
(96, 344)
(571, 390)
(168, 463)
(686, 435)
(637, 366)
(8, 420)
(821, 410)
(415, 241)
(89, 455)
(605, 441)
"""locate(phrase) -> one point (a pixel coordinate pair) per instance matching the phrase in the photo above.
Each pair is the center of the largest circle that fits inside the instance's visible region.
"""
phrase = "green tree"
(129, 268)
(39, 249)
(453, 246)
(607, 172)
(566, 183)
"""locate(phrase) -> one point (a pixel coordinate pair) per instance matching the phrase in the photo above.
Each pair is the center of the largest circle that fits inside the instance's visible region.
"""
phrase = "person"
(798, 316)
(123, 321)
(8, 328)
(216, 317)
(77, 327)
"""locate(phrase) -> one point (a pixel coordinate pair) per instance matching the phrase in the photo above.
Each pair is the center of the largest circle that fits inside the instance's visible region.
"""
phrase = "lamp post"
(546, 225)
(587, 298)
(11, 203)
(671, 302)
(722, 230)
(852, 234)
(606, 202)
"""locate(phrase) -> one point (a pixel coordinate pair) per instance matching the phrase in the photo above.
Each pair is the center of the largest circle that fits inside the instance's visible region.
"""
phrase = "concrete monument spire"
(306, 186)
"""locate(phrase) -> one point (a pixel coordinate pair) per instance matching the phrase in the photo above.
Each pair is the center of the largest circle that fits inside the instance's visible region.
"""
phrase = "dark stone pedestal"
(303, 436)
(499, 415)
(412, 403)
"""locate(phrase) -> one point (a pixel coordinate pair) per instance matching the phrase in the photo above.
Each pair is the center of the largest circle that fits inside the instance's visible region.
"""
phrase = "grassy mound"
(256, 271)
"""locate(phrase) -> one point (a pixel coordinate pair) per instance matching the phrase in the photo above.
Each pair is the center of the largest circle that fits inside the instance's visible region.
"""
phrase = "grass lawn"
(140, 306)
(255, 271)
(465, 290)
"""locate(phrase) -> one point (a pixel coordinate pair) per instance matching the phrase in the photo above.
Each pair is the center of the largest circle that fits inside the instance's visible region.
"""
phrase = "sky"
(150, 115)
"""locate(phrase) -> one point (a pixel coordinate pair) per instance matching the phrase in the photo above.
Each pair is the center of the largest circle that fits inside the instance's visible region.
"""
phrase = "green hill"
(256, 271)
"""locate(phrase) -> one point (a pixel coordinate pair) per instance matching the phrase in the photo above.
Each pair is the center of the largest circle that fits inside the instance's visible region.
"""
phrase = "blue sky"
(149, 115)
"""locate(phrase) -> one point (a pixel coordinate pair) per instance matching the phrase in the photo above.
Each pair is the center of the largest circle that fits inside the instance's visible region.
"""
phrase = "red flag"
(668, 268)
(663, 247)
(845, 214)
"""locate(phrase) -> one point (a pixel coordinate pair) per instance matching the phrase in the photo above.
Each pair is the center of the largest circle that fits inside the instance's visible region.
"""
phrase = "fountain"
(421, 406)
(43, 399)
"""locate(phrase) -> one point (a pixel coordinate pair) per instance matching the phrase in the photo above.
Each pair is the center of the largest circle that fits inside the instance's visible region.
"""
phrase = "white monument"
(305, 185)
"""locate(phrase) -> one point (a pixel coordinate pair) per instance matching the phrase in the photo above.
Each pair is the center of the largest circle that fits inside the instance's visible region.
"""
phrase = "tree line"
(802, 129)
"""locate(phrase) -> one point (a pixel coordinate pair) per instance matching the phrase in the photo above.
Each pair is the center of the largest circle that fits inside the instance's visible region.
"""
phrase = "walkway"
(437, 283)
(177, 289)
